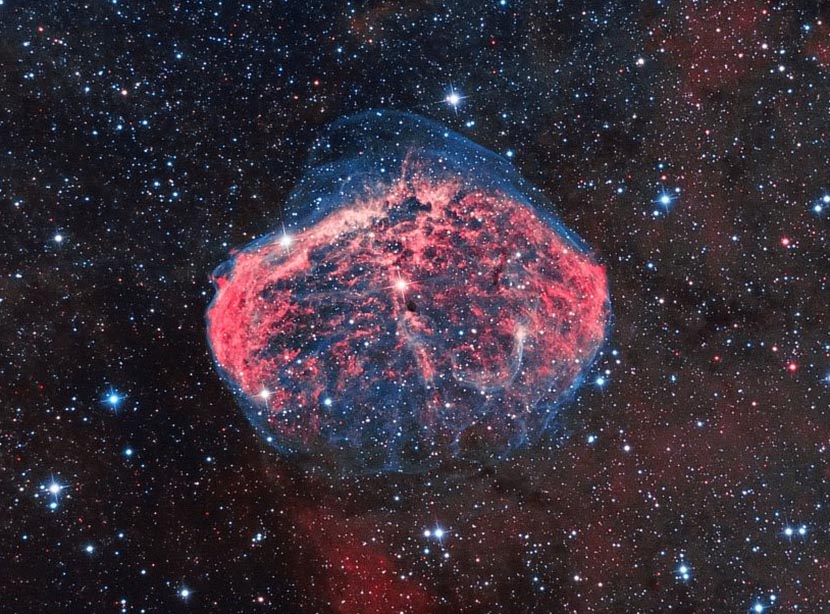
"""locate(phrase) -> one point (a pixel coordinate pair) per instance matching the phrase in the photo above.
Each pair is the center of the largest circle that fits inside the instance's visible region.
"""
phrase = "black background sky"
(140, 142)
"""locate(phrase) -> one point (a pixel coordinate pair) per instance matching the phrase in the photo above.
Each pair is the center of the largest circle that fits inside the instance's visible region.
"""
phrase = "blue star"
(684, 572)
(113, 398)
(822, 204)
(438, 533)
(665, 200)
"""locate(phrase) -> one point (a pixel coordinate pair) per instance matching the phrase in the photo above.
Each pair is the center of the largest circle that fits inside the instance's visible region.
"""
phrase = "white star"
(453, 98)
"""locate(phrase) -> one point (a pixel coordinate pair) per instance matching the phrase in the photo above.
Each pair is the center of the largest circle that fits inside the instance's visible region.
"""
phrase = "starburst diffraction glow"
(430, 304)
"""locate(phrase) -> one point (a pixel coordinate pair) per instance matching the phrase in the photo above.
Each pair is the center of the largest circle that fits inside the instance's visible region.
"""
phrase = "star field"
(686, 142)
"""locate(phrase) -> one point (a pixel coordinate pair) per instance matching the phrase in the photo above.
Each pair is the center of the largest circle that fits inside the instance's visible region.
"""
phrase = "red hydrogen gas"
(427, 311)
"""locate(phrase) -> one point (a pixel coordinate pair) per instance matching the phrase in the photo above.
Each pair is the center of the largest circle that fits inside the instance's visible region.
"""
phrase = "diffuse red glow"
(356, 576)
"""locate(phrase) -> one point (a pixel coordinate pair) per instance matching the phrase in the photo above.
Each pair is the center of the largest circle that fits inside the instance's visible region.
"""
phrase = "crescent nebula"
(422, 303)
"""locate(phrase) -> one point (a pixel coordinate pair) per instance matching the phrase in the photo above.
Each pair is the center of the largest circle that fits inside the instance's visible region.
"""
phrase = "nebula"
(420, 303)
